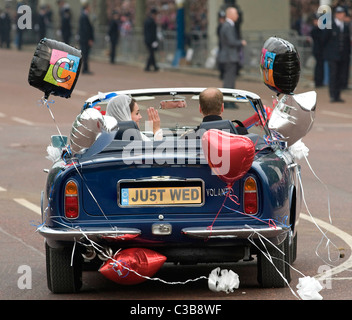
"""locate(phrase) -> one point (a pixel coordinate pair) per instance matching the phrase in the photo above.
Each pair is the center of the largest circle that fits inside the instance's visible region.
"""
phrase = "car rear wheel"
(62, 277)
(275, 274)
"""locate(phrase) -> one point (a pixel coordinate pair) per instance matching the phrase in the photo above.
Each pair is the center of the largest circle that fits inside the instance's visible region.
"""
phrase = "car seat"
(128, 130)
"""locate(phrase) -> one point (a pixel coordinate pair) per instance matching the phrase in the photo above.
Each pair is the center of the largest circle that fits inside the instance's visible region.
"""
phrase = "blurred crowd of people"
(330, 40)
(59, 22)
(43, 19)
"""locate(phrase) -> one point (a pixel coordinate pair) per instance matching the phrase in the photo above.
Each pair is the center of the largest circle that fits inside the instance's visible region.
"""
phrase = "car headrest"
(128, 130)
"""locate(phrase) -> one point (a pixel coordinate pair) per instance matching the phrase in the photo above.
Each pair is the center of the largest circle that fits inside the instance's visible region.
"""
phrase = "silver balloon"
(294, 116)
(87, 128)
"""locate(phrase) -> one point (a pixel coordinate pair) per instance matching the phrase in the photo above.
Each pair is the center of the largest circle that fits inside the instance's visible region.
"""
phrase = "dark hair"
(132, 104)
(153, 11)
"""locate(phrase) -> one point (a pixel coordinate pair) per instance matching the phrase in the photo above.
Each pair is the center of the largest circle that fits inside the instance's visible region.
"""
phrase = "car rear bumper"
(235, 232)
(122, 234)
(91, 233)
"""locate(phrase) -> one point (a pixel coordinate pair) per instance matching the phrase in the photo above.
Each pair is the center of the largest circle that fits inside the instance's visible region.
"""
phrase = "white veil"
(119, 108)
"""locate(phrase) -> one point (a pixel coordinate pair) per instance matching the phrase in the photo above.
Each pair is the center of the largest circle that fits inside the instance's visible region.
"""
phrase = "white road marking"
(347, 238)
(22, 242)
(25, 203)
(22, 121)
(321, 126)
(337, 114)
(2, 115)
(80, 93)
(2, 189)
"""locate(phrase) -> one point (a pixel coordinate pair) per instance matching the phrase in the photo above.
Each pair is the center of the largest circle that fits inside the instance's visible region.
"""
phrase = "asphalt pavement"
(25, 130)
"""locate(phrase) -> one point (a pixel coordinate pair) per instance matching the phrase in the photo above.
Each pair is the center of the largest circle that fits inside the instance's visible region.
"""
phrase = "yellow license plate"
(161, 196)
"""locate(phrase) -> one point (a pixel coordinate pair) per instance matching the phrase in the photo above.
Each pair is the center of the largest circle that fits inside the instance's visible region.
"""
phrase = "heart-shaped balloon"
(230, 156)
(126, 266)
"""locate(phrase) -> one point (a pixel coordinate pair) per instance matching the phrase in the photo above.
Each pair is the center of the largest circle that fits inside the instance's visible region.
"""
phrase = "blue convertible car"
(162, 195)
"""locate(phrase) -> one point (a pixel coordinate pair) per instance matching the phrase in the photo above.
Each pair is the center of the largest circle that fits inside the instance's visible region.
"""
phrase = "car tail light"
(250, 196)
(71, 200)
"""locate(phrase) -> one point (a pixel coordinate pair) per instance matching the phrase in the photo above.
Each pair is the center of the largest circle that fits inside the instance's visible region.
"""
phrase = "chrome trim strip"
(233, 232)
(93, 234)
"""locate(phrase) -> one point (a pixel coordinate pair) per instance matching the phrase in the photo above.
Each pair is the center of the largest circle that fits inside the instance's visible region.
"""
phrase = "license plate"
(161, 196)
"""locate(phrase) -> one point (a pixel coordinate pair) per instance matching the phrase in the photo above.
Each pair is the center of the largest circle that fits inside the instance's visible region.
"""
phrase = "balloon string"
(229, 195)
(114, 263)
(216, 217)
(324, 185)
(324, 234)
(47, 103)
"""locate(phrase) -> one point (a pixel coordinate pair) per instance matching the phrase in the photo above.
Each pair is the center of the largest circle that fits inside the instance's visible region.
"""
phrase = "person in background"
(5, 28)
(221, 20)
(19, 31)
(86, 37)
(66, 28)
(346, 75)
(43, 22)
(231, 45)
(337, 50)
(151, 39)
(114, 34)
(317, 35)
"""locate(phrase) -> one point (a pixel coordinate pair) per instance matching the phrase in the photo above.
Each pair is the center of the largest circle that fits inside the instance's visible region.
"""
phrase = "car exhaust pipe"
(90, 254)
(105, 254)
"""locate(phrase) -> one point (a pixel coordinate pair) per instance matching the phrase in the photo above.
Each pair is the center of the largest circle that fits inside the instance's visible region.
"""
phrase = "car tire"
(268, 274)
(61, 276)
(294, 249)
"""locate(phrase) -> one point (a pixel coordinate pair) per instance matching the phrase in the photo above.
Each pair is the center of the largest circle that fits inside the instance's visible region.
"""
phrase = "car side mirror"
(59, 141)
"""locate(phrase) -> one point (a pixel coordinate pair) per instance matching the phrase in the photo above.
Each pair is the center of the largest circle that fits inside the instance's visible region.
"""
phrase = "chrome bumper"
(234, 233)
(92, 234)
(121, 234)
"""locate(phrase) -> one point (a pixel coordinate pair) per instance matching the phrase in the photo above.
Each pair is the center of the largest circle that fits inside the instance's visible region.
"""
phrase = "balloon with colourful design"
(280, 65)
(55, 68)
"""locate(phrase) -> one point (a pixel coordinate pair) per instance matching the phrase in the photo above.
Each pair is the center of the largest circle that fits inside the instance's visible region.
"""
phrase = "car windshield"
(179, 113)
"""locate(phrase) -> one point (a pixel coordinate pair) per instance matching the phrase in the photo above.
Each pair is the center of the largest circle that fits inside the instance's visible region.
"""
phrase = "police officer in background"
(337, 50)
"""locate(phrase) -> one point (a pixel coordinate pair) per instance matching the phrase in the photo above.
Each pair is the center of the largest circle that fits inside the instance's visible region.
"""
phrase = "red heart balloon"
(230, 156)
(125, 265)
